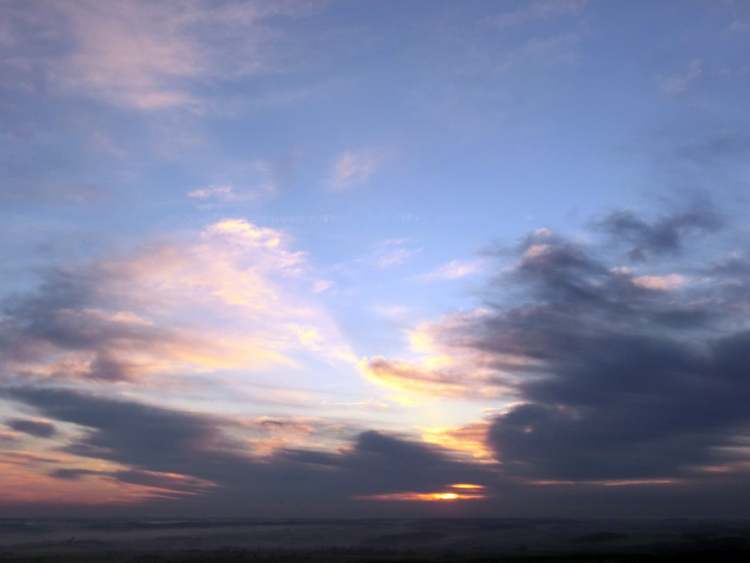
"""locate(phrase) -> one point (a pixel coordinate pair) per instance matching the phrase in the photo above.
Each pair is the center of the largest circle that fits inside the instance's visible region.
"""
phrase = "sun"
(455, 492)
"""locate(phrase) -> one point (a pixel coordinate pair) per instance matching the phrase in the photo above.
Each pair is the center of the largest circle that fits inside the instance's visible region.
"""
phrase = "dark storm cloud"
(663, 236)
(562, 279)
(154, 441)
(555, 270)
(626, 376)
(36, 428)
(131, 433)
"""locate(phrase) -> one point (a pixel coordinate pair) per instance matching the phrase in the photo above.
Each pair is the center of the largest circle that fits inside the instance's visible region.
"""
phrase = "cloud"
(454, 270)
(8, 438)
(679, 83)
(660, 283)
(146, 55)
(23, 486)
(228, 194)
(539, 10)
(470, 440)
(321, 286)
(122, 57)
(352, 168)
(455, 491)
(268, 434)
(192, 456)
(440, 366)
(263, 184)
(37, 428)
(413, 378)
(611, 374)
(233, 296)
(662, 236)
(140, 442)
(223, 193)
(603, 377)
(393, 252)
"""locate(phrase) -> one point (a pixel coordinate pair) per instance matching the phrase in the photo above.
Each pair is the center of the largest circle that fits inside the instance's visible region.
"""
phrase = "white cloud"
(223, 193)
(393, 252)
(227, 193)
(149, 55)
(130, 53)
(321, 286)
(260, 185)
(352, 168)
(454, 270)
(679, 83)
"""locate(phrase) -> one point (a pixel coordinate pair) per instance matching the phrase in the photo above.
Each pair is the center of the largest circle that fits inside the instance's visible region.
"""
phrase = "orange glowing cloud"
(236, 296)
(455, 492)
(268, 435)
(413, 378)
(660, 283)
(468, 441)
(27, 478)
(442, 366)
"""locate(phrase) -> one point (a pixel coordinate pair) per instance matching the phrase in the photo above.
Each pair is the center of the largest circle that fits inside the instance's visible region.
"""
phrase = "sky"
(374, 258)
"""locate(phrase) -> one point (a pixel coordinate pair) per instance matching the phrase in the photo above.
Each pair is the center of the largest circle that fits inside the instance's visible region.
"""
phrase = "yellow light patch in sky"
(457, 491)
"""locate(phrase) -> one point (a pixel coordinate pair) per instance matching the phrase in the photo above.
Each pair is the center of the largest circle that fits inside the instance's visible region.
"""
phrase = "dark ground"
(371, 541)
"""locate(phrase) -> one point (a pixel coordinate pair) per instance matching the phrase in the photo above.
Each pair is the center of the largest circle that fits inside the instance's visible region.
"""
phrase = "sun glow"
(468, 486)
(457, 491)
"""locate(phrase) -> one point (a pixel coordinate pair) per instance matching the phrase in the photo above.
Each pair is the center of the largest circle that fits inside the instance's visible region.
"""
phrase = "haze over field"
(358, 259)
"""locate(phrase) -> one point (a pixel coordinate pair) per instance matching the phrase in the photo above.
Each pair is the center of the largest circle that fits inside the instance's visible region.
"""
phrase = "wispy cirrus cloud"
(455, 270)
(259, 182)
(538, 11)
(679, 83)
(144, 55)
(352, 168)
(223, 193)
(227, 193)
(393, 252)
